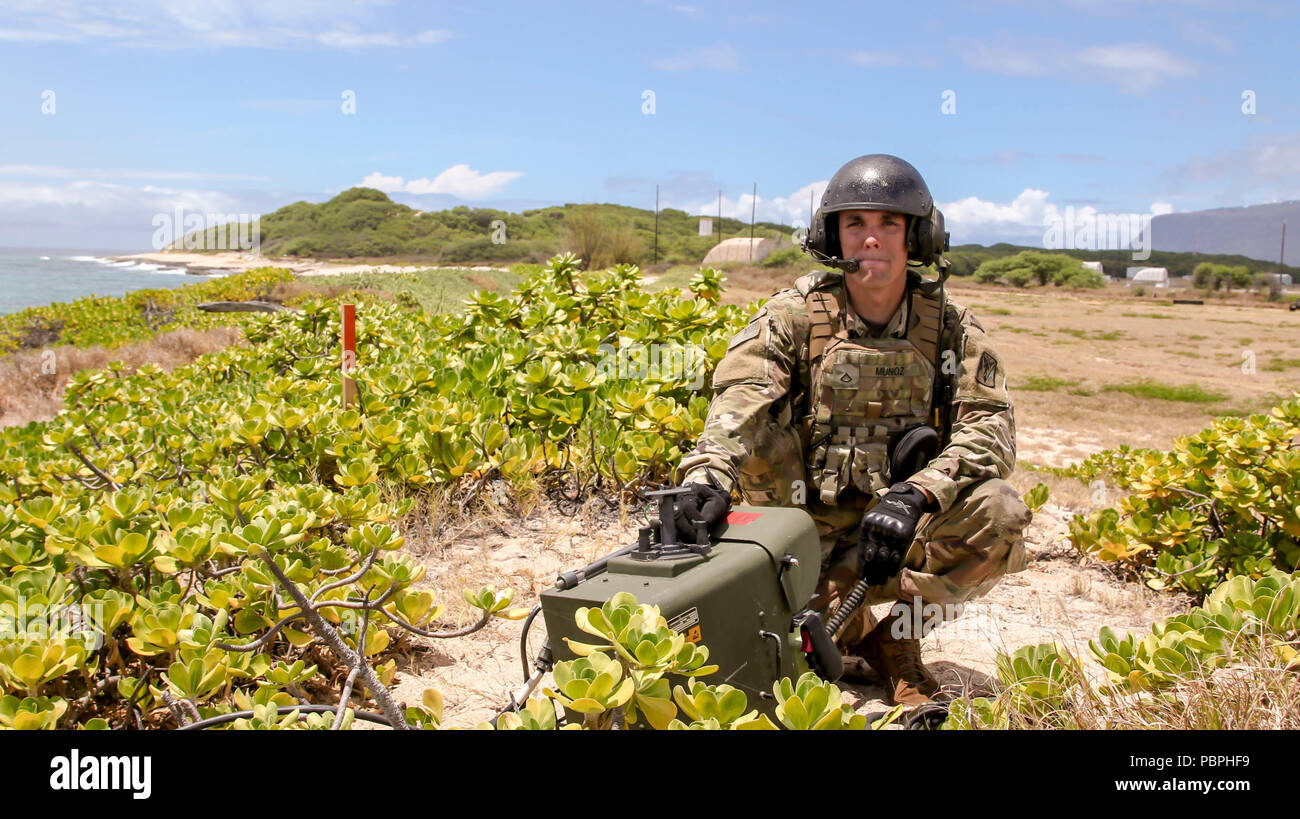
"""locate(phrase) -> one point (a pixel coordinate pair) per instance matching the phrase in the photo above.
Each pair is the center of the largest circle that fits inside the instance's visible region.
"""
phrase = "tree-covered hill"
(364, 222)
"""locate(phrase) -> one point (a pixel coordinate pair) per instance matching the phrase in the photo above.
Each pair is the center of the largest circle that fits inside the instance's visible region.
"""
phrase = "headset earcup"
(818, 241)
(922, 243)
(939, 236)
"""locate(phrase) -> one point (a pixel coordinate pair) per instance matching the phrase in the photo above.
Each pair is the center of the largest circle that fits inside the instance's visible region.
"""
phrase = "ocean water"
(31, 277)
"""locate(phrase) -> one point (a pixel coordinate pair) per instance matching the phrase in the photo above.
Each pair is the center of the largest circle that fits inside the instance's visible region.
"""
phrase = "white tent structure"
(1096, 266)
(738, 250)
(1159, 276)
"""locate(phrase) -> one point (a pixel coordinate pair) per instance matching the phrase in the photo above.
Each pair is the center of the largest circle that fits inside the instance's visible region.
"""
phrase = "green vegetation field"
(225, 541)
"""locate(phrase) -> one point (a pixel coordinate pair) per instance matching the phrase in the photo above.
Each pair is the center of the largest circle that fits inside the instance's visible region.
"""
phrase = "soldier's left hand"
(887, 532)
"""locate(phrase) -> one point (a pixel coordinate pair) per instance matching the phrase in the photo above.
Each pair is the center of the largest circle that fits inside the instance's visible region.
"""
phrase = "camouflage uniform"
(758, 440)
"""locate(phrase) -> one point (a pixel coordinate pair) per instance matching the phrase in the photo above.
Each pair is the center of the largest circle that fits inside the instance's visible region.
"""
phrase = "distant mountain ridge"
(1254, 231)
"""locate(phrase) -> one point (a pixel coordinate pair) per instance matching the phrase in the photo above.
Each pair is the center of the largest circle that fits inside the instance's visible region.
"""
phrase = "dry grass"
(32, 381)
(286, 292)
(1257, 693)
(1070, 494)
(1255, 690)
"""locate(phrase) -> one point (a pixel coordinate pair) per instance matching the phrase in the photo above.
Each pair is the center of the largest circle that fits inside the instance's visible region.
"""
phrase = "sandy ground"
(1060, 597)
(235, 262)
(1081, 347)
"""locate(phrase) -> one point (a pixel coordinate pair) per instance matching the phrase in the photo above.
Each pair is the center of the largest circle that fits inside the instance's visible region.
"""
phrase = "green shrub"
(1222, 503)
(139, 315)
(187, 510)
(784, 257)
(1042, 268)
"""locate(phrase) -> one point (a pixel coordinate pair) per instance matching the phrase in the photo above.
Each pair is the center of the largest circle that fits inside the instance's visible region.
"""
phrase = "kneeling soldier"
(866, 397)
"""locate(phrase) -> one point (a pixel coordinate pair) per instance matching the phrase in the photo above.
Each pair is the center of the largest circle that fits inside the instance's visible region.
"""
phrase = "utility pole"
(753, 204)
(1281, 254)
(656, 261)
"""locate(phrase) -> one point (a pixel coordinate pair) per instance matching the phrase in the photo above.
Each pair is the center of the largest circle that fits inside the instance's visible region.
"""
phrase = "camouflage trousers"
(956, 556)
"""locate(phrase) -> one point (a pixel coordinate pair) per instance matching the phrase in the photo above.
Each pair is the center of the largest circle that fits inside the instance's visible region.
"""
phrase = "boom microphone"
(847, 265)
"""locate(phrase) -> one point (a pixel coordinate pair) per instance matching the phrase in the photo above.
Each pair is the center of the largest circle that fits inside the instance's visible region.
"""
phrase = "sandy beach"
(235, 262)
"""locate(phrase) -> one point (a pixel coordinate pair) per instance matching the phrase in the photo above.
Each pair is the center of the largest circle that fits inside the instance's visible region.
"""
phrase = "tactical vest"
(863, 391)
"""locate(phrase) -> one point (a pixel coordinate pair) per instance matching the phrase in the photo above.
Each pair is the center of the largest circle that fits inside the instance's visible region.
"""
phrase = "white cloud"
(1015, 61)
(786, 210)
(168, 24)
(1024, 220)
(1135, 67)
(350, 38)
(458, 180)
(433, 36)
(1132, 67)
(88, 214)
(875, 58)
(977, 220)
(387, 184)
(721, 57)
(1265, 169)
(57, 172)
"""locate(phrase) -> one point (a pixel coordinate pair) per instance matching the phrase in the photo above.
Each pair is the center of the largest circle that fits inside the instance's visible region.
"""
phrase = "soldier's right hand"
(703, 503)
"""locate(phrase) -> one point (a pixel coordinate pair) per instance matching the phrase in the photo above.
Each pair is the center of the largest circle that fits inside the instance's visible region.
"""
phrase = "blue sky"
(1011, 110)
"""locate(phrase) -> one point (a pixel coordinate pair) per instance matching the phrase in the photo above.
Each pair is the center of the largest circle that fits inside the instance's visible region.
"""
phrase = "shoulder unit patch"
(987, 374)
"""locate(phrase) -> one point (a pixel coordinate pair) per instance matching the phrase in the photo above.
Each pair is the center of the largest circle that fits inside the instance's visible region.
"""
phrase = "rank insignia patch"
(987, 373)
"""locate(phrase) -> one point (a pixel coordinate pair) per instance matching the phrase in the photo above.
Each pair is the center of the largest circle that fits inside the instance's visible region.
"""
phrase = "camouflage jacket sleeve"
(983, 441)
(751, 391)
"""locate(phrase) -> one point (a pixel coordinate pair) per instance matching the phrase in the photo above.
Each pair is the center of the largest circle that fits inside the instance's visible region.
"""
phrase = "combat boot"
(850, 638)
(898, 662)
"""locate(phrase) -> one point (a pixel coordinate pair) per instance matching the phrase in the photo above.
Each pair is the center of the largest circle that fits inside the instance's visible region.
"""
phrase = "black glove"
(887, 532)
(703, 503)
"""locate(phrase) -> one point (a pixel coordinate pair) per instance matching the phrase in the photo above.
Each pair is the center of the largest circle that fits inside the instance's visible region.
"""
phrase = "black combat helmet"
(879, 182)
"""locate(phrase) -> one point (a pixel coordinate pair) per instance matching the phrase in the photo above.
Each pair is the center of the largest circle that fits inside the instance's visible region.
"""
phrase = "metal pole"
(349, 354)
(753, 204)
